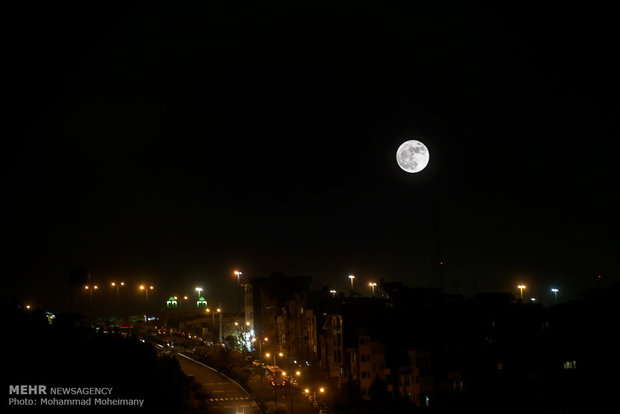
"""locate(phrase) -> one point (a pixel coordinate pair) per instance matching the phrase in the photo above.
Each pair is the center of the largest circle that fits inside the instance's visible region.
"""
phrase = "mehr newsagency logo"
(43, 395)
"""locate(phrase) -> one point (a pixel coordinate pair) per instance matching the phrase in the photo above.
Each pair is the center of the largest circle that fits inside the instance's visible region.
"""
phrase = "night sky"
(175, 143)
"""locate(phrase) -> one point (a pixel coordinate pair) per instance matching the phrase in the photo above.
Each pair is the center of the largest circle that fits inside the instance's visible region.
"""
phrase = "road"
(225, 395)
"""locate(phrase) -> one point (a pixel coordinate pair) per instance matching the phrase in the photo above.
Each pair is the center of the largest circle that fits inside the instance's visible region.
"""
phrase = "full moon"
(412, 156)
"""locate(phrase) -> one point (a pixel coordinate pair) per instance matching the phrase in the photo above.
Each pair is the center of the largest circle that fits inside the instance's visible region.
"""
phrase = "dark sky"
(174, 143)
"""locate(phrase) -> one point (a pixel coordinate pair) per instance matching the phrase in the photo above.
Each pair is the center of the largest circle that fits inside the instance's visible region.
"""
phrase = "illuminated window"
(570, 364)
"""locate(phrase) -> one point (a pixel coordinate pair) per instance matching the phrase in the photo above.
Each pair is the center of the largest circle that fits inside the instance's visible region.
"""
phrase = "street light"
(372, 287)
(146, 291)
(351, 277)
(555, 293)
(90, 290)
(333, 292)
(241, 293)
(290, 383)
(219, 311)
(117, 285)
(198, 289)
(275, 380)
(521, 287)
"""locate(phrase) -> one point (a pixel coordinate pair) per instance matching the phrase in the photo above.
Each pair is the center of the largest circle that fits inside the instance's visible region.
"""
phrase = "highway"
(225, 395)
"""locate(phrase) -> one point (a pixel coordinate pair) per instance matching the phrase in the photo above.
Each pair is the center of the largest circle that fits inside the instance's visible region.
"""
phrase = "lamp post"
(90, 290)
(275, 380)
(146, 291)
(198, 291)
(238, 274)
(351, 278)
(372, 287)
(290, 383)
(555, 293)
(521, 287)
(321, 391)
(117, 285)
(219, 310)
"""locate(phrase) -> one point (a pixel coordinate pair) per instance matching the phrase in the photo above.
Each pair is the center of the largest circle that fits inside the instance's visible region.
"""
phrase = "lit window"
(570, 364)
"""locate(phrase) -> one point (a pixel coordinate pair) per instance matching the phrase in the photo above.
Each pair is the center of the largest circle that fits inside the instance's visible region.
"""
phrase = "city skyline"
(178, 143)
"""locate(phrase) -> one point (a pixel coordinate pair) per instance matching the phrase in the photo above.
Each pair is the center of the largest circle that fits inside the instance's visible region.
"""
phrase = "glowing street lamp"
(146, 289)
(555, 293)
(90, 289)
(238, 274)
(290, 383)
(521, 287)
(117, 285)
(372, 287)
(333, 292)
(198, 290)
(352, 278)
(275, 388)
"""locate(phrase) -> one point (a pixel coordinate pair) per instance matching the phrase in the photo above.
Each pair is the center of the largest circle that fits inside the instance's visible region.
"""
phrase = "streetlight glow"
(521, 287)
(238, 274)
(555, 293)
(351, 277)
